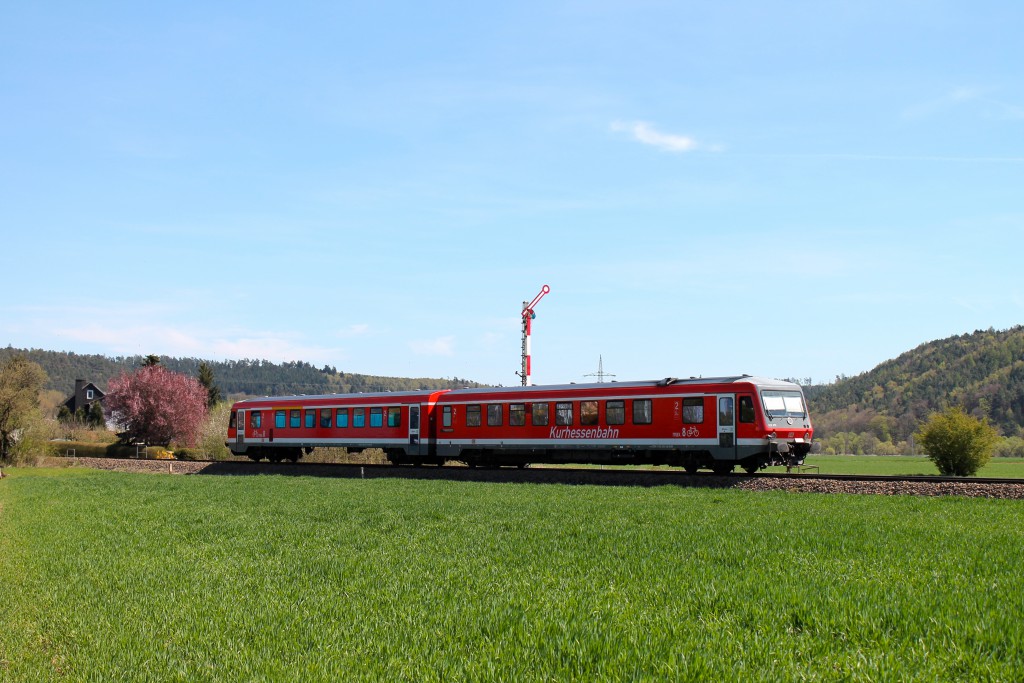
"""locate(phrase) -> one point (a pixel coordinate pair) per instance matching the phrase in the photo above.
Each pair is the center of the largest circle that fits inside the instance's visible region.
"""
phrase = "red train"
(713, 423)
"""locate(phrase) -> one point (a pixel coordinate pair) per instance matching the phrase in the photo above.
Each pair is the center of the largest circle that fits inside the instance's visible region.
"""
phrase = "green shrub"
(116, 450)
(1010, 447)
(213, 434)
(80, 449)
(957, 443)
(189, 454)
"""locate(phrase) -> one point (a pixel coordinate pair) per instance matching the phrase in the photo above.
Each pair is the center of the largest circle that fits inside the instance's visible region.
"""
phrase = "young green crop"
(144, 577)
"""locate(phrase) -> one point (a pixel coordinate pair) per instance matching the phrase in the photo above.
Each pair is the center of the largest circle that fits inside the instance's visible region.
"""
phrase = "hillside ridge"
(981, 372)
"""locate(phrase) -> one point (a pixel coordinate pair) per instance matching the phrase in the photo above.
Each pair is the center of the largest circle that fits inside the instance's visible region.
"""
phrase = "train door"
(727, 426)
(414, 430)
(240, 428)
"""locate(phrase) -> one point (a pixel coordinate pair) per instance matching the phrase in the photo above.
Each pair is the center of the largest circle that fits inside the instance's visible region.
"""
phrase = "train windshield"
(783, 404)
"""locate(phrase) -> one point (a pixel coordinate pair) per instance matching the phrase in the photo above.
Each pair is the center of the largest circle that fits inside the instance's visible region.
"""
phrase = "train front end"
(789, 434)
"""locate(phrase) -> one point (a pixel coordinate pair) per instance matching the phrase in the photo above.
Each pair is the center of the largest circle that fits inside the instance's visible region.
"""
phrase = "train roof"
(368, 394)
(666, 381)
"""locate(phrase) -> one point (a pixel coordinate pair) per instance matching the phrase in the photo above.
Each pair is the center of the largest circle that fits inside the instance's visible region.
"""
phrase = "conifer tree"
(206, 379)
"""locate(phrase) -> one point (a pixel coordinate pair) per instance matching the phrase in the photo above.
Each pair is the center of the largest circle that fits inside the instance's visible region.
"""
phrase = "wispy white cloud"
(975, 304)
(275, 348)
(492, 339)
(441, 346)
(645, 133)
(356, 330)
(980, 98)
(1006, 110)
(948, 100)
(167, 340)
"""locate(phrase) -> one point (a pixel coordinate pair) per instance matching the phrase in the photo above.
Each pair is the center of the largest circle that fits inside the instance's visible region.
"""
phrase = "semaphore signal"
(528, 316)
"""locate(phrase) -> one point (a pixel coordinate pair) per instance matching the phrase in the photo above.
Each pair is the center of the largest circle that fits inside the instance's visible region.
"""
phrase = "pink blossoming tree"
(156, 406)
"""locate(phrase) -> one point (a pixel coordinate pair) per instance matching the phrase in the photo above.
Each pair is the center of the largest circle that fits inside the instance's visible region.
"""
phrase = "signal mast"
(528, 316)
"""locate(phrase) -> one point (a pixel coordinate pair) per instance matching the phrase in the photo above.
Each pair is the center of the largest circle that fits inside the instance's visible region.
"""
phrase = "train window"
(783, 404)
(540, 414)
(494, 415)
(359, 417)
(325, 418)
(295, 419)
(233, 420)
(446, 416)
(642, 411)
(517, 414)
(725, 411)
(310, 419)
(279, 419)
(615, 412)
(376, 417)
(394, 417)
(342, 416)
(588, 412)
(473, 416)
(563, 414)
(693, 411)
(747, 409)
(255, 419)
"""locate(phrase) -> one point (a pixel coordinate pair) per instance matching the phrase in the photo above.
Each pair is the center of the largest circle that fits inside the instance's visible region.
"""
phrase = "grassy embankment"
(145, 577)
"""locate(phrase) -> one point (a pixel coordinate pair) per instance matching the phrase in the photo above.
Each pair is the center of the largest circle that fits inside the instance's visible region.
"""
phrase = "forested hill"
(248, 377)
(982, 372)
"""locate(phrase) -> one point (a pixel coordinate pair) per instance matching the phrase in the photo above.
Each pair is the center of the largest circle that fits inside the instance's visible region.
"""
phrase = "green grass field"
(111, 576)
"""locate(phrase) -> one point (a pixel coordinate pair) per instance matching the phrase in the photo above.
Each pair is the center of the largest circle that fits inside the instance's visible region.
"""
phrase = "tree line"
(876, 412)
(235, 378)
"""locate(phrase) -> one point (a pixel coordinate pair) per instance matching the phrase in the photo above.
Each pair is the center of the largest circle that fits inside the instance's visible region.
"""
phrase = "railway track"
(884, 478)
(766, 481)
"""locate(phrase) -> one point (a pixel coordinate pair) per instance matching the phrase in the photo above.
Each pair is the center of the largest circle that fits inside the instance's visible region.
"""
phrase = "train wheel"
(750, 469)
(691, 468)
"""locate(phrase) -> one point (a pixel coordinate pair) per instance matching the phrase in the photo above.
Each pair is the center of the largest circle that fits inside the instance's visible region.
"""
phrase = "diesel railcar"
(710, 423)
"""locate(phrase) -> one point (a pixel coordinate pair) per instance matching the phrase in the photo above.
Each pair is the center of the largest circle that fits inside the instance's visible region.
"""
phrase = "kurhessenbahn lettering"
(593, 433)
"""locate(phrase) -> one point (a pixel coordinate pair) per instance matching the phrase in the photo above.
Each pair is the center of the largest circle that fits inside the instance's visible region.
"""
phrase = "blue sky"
(798, 189)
